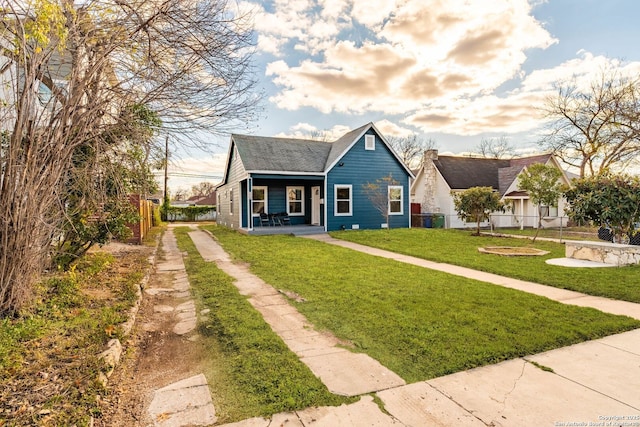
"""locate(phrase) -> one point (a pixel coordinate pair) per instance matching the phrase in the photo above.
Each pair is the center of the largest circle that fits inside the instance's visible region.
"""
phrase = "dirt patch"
(98, 294)
(512, 251)
(118, 248)
(292, 295)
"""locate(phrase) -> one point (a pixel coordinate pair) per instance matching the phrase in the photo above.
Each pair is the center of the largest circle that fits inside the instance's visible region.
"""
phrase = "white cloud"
(304, 127)
(372, 13)
(335, 9)
(308, 24)
(518, 110)
(509, 114)
(270, 44)
(416, 53)
(436, 63)
(307, 131)
(583, 70)
(389, 128)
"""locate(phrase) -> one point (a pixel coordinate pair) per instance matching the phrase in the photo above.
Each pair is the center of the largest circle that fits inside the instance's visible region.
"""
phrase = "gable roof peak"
(340, 145)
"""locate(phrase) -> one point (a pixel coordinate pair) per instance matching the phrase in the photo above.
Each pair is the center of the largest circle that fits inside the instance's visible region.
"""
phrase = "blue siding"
(359, 167)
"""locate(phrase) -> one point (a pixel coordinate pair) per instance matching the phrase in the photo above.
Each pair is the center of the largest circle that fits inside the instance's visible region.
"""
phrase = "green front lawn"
(250, 370)
(419, 323)
(459, 247)
(570, 233)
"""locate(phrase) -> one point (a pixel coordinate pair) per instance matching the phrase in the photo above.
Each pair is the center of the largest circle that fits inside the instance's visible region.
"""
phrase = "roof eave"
(277, 172)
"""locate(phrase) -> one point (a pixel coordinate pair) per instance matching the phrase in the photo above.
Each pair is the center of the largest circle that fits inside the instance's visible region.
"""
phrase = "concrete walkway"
(592, 383)
(186, 402)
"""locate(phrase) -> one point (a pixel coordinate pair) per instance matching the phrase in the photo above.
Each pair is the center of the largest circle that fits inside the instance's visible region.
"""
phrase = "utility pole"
(165, 201)
(166, 168)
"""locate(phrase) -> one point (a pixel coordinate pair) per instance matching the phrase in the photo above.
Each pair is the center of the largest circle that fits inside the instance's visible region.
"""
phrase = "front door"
(315, 205)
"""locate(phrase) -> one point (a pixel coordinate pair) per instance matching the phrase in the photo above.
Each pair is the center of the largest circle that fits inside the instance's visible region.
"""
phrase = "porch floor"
(296, 230)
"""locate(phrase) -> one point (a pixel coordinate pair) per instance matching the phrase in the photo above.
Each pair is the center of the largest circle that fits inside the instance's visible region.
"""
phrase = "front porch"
(296, 230)
(298, 199)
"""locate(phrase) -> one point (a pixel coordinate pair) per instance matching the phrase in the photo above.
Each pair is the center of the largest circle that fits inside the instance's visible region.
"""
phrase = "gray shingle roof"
(506, 176)
(526, 161)
(259, 153)
(466, 172)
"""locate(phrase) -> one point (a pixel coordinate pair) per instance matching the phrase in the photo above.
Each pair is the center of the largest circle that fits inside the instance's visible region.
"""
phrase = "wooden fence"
(145, 210)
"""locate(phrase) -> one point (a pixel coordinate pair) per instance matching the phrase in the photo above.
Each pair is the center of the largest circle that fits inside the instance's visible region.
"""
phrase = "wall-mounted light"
(341, 164)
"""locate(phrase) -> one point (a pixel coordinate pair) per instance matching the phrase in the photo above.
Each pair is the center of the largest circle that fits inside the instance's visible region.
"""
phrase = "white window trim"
(552, 211)
(231, 201)
(335, 199)
(393, 187)
(370, 142)
(301, 200)
(266, 199)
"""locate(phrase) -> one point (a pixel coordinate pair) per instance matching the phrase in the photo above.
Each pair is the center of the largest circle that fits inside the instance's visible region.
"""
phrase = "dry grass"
(49, 353)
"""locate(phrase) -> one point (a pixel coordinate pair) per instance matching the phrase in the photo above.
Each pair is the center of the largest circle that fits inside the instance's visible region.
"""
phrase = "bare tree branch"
(595, 129)
(496, 148)
(71, 72)
(411, 148)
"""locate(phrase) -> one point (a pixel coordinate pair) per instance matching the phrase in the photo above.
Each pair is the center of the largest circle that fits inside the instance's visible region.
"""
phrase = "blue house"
(315, 184)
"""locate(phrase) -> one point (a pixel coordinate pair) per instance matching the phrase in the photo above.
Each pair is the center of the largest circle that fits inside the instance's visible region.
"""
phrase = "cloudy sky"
(455, 71)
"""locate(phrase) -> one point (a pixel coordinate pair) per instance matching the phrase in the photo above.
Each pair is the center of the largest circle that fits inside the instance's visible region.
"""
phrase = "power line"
(190, 175)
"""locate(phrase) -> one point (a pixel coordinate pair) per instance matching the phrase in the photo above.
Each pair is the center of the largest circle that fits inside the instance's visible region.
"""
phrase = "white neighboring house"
(441, 175)
(12, 81)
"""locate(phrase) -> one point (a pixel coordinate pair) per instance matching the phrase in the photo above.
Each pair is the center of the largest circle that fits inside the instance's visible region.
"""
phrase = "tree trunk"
(27, 210)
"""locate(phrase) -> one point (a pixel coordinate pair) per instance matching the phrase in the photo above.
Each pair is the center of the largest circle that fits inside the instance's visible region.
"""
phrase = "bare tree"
(496, 148)
(595, 129)
(321, 135)
(411, 148)
(180, 194)
(382, 194)
(70, 71)
(202, 189)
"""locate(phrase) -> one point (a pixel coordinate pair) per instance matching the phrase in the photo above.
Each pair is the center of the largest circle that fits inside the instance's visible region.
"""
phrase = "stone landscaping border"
(512, 251)
(605, 252)
(111, 355)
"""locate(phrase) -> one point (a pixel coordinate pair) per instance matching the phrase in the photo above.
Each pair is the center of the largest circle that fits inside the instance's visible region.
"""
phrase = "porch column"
(249, 203)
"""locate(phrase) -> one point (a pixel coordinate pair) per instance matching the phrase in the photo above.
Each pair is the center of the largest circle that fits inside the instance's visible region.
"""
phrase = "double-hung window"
(295, 198)
(259, 201)
(395, 193)
(231, 201)
(549, 211)
(343, 200)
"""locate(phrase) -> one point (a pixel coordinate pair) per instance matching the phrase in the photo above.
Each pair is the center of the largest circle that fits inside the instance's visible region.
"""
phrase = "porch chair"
(264, 219)
(284, 218)
(275, 219)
